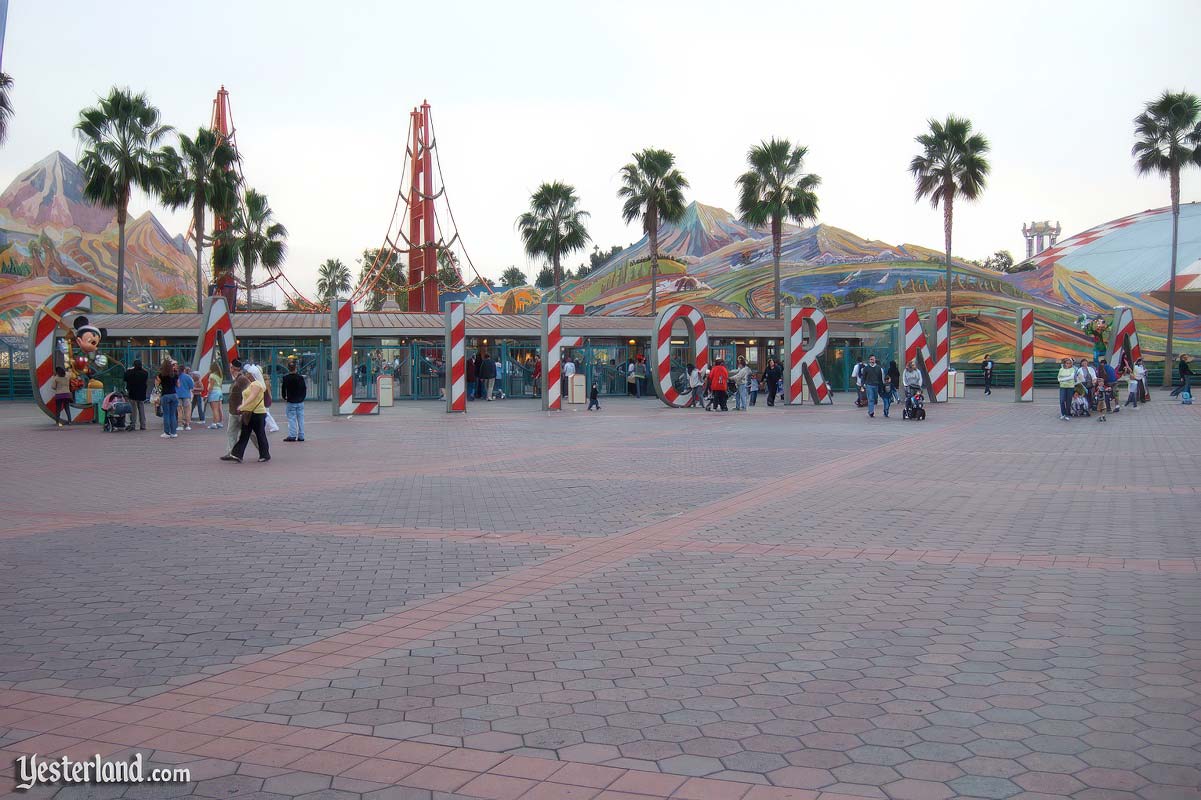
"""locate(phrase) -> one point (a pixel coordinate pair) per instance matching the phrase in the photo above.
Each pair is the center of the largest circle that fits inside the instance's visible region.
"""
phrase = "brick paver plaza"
(641, 603)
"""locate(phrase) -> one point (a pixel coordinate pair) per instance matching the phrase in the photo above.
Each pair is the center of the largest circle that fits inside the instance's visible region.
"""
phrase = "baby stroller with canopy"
(915, 405)
(118, 412)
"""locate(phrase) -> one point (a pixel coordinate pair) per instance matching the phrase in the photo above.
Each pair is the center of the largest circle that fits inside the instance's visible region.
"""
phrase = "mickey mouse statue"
(86, 359)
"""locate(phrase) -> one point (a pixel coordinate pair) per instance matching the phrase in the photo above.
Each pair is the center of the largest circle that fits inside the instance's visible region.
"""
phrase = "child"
(594, 398)
(1132, 386)
(1102, 396)
(753, 388)
(1080, 403)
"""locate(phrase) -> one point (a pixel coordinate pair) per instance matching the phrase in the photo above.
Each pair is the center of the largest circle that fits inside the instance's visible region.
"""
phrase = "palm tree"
(554, 227)
(6, 106)
(333, 279)
(951, 164)
(202, 175)
(121, 136)
(252, 238)
(1168, 139)
(653, 190)
(775, 189)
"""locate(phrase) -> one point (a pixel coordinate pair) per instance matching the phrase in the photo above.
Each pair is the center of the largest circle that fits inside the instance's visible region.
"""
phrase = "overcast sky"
(524, 92)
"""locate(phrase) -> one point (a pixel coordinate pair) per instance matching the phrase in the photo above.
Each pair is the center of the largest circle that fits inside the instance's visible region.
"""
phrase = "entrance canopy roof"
(266, 324)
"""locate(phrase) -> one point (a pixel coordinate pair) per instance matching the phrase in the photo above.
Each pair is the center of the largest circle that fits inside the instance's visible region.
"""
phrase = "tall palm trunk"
(776, 236)
(948, 215)
(558, 275)
(198, 225)
(249, 273)
(1174, 182)
(122, 214)
(652, 223)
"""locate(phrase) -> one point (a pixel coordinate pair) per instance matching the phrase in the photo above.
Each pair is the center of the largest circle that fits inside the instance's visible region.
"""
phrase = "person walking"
(183, 390)
(594, 397)
(987, 368)
(294, 393)
(240, 381)
(1067, 379)
(486, 370)
(60, 389)
(772, 376)
(753, 388)
(168, 385)
(742, 376)
(894, 378)
(1133, 388)
(214, 394)
(1186, 375)
(136, 382)
(719, 380)
(536, 376)
(253, 411)
(871, 376)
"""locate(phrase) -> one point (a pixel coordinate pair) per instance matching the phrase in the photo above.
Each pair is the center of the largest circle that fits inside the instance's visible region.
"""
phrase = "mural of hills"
(717, 263)
(52, 239)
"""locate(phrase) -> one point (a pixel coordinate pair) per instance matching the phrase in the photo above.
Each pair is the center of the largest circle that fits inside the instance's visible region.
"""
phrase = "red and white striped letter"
(695, 321)
(42, 335)
(215, 322)
(1124, 337)
(456, 363)
(342, 340)
(801, 365)
(1023, 356)
(553, 341)
(915, 347)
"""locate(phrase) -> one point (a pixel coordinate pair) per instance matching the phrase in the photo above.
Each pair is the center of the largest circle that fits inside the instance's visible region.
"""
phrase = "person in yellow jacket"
(1067, 387)
(254, 420)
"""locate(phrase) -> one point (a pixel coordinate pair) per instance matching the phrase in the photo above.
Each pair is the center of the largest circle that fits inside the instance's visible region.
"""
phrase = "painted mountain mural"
(52, 239)
(724, 267)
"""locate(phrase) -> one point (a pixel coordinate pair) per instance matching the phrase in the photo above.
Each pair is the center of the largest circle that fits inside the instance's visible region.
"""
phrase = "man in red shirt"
(719, 381)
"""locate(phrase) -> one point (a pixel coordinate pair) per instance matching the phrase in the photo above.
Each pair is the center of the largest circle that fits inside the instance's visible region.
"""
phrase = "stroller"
(1080, 406)
(861, 397)
(915, 405)
(118, 412)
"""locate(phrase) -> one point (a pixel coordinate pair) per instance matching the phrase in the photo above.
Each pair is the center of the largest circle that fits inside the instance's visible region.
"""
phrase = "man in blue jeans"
(294, 394)
(872, 376)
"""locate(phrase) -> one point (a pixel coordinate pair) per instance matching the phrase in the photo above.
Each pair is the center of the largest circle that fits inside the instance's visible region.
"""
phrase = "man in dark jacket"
(872, 376)
(486, 370)
(294, 394)
(136, 380)
(987, 368)
(1186, 376)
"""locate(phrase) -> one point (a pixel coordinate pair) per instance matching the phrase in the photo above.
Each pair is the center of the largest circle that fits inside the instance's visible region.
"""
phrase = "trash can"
(383, 391)
(957, 384)
(577, 389)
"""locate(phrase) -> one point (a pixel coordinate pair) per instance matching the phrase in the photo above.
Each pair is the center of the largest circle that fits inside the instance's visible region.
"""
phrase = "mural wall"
(725, 268)
(52, 240)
